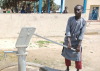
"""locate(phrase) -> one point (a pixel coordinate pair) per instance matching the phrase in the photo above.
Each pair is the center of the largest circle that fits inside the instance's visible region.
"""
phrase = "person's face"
(78, 10)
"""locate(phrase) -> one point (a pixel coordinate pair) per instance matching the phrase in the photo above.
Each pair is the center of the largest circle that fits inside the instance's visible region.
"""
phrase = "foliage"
(11, 4)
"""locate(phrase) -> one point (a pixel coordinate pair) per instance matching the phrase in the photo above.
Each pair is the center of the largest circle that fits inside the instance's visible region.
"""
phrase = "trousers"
(78, 64)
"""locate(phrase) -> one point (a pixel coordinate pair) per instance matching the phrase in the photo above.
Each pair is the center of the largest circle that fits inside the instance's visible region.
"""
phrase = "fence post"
(84, 6)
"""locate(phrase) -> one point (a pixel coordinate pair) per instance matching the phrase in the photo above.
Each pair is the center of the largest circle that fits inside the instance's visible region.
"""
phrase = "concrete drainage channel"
(29, 67)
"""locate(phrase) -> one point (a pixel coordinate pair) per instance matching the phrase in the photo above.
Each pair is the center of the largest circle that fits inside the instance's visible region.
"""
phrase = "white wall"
(45, 24)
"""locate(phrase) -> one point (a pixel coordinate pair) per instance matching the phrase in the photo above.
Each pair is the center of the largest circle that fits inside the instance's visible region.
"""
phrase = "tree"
(11, 4)
(53, 6)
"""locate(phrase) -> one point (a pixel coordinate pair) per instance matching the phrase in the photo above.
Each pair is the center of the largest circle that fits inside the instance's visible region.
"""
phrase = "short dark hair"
(78, 5)
(28, 4)
(23, 7)
(66, 7)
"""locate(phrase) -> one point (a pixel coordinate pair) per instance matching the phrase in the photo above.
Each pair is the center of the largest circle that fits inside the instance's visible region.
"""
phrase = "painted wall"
(90, 5)
(90, 11)
(72, 3)
(45, 24)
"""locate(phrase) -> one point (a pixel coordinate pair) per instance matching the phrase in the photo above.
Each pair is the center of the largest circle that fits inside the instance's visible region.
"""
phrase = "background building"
(91, 8)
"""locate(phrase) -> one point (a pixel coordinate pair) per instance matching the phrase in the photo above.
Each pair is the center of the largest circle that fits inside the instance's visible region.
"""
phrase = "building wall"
(72, 3)
(90, 5)
(45, 24)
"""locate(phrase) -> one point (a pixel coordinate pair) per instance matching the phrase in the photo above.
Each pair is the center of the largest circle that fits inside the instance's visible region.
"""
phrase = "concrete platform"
(29, 67)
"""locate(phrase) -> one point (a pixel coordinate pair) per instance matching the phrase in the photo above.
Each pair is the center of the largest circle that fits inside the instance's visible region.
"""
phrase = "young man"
(28, 9)
(65, 11)
(74, 35)
(23, 11)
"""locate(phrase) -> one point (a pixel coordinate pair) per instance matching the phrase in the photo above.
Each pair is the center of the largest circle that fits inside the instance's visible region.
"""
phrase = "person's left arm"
(81, 36)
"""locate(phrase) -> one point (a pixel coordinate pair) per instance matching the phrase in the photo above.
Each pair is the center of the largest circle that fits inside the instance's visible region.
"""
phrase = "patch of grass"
(1, 55)
(43, 43)
(37, 61)
(61, 42)
(30, 43)
(63, 62)
(11, 57)
(45, 46)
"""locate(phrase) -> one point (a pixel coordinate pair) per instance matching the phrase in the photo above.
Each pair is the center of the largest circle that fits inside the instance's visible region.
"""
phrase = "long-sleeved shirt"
(75, 30)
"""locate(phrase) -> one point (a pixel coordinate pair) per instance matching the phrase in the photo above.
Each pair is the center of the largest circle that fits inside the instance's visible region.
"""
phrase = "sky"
(58, 2)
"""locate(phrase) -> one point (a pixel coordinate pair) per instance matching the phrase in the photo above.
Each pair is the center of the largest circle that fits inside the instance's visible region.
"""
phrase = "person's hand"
(78, 48)
(69, 45)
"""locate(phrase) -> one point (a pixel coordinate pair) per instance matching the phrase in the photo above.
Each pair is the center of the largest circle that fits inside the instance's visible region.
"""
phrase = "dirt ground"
(49, 54)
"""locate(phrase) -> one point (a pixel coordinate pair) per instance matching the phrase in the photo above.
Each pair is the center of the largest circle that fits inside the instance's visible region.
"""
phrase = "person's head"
(66, 8)
(78, 9)
(23, 7)
(28, 5)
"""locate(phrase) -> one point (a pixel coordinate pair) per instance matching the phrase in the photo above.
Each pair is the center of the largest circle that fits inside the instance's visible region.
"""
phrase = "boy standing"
(28, 9)
(74, 35)
(65, 11)
(23, 11)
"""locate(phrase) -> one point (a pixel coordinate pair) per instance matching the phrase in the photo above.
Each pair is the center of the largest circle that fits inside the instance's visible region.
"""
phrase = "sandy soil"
(97, 26)
(50, 54)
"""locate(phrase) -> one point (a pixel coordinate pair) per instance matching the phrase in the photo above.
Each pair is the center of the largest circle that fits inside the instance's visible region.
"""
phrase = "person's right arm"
(68, 34)
(69, 43)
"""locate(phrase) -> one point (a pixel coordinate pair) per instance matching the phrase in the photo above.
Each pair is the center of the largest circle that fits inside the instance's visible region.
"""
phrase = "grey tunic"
(75, 30)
